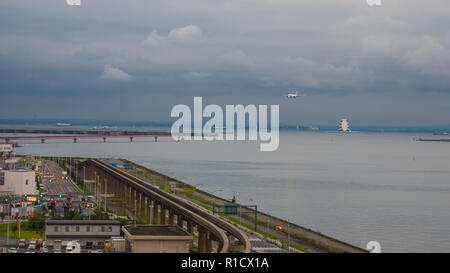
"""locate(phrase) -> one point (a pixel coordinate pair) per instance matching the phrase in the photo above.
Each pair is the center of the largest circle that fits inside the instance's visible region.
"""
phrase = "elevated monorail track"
(210, 227)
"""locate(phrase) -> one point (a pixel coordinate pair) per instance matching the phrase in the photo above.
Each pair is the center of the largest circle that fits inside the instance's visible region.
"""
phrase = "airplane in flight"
(294, 95)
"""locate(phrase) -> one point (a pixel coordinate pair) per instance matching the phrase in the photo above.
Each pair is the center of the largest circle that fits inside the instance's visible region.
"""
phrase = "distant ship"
(344, 126)
(62, 124)
(441, 134)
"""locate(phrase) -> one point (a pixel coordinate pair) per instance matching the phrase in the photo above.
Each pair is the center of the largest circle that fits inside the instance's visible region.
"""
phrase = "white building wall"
(19, 181)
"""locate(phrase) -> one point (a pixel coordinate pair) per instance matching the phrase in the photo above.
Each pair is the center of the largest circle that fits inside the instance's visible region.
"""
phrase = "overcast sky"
(134, 60)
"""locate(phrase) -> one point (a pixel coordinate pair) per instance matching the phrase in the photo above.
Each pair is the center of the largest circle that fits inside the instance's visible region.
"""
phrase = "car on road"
(12, 250)
(73, 247)
(22, 243)
(32, 245)
(95, 251)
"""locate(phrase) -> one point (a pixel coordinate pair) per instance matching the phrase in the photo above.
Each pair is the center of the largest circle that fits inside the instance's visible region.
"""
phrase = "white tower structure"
(344, 126)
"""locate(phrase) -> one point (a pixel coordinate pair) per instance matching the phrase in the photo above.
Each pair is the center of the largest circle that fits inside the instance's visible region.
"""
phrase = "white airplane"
(294, 95)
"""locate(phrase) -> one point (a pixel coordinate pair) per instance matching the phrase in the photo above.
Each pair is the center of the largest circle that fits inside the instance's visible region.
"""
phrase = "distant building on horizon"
(344, 126)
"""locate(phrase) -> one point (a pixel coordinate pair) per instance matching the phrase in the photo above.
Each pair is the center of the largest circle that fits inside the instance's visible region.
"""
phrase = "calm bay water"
(356, 187)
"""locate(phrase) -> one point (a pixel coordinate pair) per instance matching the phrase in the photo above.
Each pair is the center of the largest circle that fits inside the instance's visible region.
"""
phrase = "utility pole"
(106, 192)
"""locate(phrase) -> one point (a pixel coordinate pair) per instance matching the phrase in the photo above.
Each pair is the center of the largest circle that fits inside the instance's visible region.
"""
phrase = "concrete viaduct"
(155, 206)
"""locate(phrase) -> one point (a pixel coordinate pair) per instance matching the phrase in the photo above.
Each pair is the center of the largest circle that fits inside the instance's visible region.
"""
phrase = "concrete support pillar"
(112, 183)
(155, 213)
(149, 211)
(138, 205)
(202, 238)
(126, 195)
(171, 217)
(180, 221)
(115, 189)
(208, 243)
(163, 215)
(190, 227)
(142, 207)
(122, 193)
(134, 204)
(118, 188)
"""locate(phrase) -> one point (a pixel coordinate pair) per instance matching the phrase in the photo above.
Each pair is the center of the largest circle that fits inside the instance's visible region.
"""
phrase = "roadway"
(60, 184)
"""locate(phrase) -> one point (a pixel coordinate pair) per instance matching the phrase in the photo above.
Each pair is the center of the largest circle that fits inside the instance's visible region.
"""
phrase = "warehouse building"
(91, 234)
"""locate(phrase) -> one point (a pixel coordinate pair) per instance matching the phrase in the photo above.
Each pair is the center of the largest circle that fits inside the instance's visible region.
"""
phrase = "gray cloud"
(115, 74)
(339, 52)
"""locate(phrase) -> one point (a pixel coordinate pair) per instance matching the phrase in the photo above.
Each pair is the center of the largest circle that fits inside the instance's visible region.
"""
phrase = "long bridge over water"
(76, 134)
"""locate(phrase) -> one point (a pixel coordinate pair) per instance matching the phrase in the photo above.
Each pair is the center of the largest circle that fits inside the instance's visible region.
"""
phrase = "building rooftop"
(156, 231)
(82, 222)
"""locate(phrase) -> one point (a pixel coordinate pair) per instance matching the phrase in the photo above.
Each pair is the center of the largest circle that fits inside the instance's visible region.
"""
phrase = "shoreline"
(309, 240)
(292, 235)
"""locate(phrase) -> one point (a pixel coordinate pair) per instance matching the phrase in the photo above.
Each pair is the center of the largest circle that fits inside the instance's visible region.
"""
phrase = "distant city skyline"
(113, 60)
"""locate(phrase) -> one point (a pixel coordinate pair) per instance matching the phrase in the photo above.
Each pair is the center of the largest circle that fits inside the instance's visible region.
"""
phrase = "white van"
(32, 245)
(73, 247)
